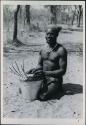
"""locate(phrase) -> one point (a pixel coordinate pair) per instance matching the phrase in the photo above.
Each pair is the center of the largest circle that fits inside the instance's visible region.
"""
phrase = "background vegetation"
(19, 19)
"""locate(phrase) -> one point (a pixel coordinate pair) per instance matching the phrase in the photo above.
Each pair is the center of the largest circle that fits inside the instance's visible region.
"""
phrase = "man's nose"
(49, 36)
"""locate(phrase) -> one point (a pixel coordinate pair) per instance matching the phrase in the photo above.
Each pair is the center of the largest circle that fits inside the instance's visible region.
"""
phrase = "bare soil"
(70, 105)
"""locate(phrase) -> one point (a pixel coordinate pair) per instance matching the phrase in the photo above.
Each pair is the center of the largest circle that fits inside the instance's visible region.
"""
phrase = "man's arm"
(62, 64)
(39, 66)
(40, 62)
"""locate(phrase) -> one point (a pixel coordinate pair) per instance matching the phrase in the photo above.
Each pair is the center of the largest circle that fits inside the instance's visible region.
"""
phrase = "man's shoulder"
(62, 50)
(44, 48)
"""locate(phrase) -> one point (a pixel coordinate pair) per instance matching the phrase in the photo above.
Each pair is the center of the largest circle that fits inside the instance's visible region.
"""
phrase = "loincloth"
(56, 81)
(51, 84)
(50, 88)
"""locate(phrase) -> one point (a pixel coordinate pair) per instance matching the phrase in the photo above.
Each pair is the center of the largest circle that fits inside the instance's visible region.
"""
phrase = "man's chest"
(52, 56)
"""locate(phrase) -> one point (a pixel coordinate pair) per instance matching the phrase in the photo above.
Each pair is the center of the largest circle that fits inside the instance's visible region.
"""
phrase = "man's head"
(52, 33)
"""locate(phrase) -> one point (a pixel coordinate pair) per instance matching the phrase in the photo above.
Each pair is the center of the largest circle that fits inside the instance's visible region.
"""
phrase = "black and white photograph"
(43, 58)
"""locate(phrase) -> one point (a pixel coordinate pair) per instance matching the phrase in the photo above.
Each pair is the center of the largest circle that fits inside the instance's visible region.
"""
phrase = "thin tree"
(27, 7)
(53, 11)
(79, 15)
(16, 42)
(73, 14)
(15, 23)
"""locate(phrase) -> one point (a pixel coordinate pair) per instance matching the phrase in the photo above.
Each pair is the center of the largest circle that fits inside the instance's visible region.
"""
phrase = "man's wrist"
(47, 73)
(38, 68)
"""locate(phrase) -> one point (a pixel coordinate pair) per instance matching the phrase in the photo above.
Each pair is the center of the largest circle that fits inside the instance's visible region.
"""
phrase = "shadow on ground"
(69, 89)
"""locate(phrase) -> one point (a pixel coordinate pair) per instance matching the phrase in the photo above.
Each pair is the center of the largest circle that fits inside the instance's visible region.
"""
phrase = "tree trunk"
(73, 17)
(53, 19)
(27, 7)
(15, 23)
(79, 15)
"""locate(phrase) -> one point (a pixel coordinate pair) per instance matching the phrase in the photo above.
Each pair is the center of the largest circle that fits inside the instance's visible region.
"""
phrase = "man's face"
(50, 37)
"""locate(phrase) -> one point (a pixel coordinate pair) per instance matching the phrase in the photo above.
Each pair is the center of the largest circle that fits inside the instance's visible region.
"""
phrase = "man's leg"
(53, 88)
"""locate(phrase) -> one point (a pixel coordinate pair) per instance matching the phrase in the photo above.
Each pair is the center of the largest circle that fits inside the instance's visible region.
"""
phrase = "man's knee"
(58, 82)
(42, 97)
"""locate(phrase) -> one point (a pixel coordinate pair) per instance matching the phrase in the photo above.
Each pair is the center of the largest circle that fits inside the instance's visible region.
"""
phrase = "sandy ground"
(68, 106)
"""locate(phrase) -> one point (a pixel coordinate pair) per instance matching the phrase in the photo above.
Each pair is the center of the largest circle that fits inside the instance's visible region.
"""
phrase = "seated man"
(52, 65)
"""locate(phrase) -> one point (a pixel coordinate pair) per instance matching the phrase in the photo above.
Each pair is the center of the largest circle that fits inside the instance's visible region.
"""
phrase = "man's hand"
(39, 73)
(31, 71)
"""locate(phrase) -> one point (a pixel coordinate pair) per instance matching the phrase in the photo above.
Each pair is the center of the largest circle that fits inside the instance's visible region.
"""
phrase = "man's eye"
(51, 35)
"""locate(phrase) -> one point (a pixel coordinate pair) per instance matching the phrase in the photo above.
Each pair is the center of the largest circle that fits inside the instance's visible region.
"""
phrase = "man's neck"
(52, 45)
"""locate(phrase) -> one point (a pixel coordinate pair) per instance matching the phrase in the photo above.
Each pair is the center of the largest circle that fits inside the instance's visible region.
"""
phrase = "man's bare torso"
(51, 59)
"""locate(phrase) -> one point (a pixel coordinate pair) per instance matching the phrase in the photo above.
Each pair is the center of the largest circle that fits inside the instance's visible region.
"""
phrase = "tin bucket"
(30, 90)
